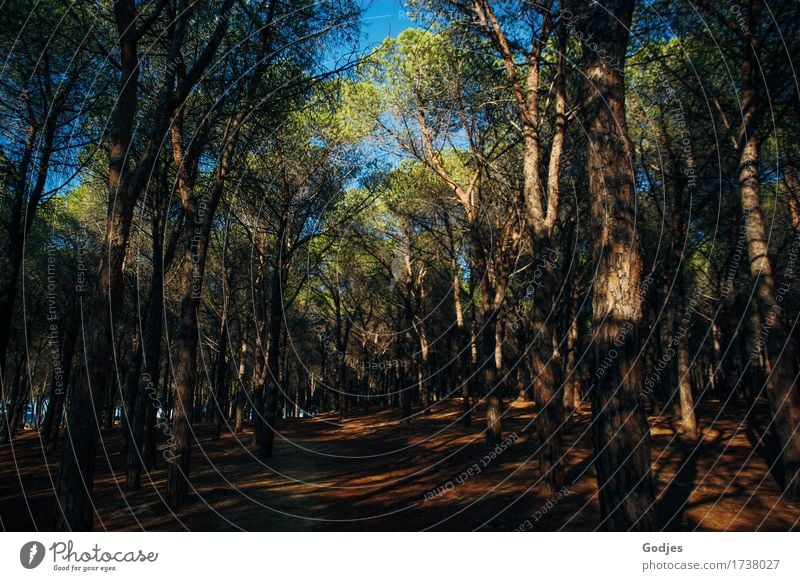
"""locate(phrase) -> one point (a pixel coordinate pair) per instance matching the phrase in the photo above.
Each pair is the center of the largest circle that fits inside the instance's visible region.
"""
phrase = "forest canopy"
(264, 270)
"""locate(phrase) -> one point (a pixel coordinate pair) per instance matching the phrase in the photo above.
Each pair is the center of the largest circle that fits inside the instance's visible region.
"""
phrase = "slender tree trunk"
(185, 365)
(164, 403)
(683, 357)
(342, 375)
(241, 396)
(422, 368)
(460, 351)
(572, 390)
(199, 220)
(548, 367)
(494, 390)
(110, 408)
(146, 401)
(260, 375)
(275, 371)
(8, 287)
(220, 381)
(778, 348)
(10, 402)
(131, 388)
(680, 331)
(12, 406)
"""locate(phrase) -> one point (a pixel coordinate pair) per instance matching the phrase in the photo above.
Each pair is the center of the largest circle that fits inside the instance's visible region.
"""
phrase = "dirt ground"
(371, 473)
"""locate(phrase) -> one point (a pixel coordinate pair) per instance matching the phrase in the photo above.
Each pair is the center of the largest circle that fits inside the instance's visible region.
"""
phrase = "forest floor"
(371, 473)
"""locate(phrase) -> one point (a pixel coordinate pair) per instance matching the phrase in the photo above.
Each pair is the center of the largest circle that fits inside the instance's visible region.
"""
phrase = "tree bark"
(621, 432)
(146, 401)
(777, 347)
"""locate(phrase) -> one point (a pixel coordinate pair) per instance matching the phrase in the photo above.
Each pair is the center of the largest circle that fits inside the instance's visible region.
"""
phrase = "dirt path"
(370, 473)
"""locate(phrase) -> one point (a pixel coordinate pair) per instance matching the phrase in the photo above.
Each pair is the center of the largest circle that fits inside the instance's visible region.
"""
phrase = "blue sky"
(383, 18)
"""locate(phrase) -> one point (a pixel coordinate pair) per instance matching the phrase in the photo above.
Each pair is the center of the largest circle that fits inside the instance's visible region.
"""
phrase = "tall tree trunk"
(572, 388)
(199, 220)
(241, 396)
(276, 315)
(185, 365)
(492, 385)
(488, 363)
(778, 348)
(220, 381)
(680, 331)
(74, 510)
(259, 380)
(11, 405)
(548, 367)
(131, 388)
(145, 403)
(461, 351)
(58, 388)
(680, 335)
(621, 432)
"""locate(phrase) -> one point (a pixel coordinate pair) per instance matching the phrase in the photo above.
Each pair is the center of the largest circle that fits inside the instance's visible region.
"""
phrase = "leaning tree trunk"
(778, 347)
(187, 337)
(74, 508)
(200, 220)
(621, 432)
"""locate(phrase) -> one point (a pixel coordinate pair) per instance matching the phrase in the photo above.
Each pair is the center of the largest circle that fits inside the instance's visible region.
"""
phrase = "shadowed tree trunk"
(241, 395)
(146, 400)
(459, 334)
(59, 386)
(680, 324)
(620, 429)
(541, 205)
(220, 381)
(199, 219)
(11, 404)
(276, 314)
(74, 510)
(777, 347)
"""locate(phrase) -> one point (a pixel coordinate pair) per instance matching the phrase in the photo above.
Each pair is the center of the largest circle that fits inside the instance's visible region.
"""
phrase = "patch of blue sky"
(382, 19)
